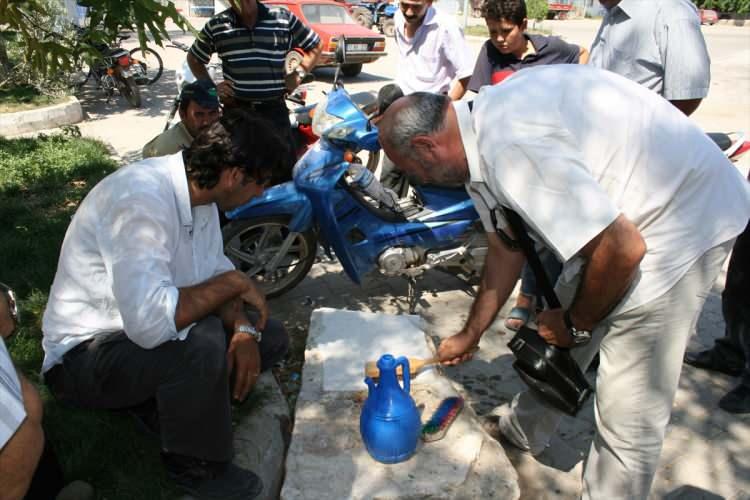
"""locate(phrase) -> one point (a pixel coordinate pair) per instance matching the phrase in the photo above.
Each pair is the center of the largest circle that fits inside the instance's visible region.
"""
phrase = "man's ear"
(423, 145)
(524, 24)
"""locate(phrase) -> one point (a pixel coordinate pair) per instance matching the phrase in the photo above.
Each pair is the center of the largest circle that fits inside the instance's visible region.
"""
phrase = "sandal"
(522, 314)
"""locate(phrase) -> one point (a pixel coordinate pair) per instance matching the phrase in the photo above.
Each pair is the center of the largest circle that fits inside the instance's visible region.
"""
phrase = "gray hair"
(424, 115)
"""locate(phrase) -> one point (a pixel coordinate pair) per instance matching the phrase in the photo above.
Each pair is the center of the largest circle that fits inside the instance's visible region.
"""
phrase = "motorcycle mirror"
(341, 50)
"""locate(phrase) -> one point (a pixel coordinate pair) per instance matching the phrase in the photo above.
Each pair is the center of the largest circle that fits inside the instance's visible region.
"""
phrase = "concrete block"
(261, 436)
(327, 458)
(22, 122)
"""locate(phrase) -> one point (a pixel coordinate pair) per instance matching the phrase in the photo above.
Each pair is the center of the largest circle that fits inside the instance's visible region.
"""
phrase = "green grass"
(42, 181)
(25, 97)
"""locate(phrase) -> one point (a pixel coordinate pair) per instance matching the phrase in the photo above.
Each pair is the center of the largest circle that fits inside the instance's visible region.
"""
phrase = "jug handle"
(404, 362)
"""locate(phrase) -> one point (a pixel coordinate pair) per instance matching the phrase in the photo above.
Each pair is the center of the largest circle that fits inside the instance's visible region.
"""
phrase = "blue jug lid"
(387, 362)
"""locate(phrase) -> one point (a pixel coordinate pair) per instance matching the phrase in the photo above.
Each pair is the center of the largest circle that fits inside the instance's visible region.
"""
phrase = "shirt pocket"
(427, 68)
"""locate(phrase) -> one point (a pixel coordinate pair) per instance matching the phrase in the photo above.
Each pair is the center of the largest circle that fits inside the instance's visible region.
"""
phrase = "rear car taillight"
(124, 61)
(332, 44)
(379, 46)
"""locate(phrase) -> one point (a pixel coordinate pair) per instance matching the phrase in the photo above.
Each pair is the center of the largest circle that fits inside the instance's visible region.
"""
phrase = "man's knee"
(205, 349)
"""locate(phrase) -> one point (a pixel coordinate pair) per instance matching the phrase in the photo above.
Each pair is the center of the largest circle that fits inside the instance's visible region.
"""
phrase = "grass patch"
(42, 181)
(25, 97)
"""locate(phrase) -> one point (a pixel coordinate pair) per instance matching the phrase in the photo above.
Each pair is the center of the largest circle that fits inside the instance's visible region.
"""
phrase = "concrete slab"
(327, 458)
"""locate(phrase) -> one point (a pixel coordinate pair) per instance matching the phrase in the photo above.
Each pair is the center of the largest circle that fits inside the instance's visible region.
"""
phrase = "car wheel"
(351, 69)
(363, 17)
(389, 28)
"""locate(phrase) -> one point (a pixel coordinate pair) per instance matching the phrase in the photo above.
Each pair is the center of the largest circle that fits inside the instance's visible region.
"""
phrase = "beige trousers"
(641, 354)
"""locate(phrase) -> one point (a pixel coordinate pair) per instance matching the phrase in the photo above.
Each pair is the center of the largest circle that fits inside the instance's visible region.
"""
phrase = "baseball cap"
(203, 92)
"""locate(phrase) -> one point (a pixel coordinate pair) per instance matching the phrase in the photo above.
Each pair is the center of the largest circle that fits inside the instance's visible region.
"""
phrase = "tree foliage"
(731, 6)
(537, 9)
(48, 43)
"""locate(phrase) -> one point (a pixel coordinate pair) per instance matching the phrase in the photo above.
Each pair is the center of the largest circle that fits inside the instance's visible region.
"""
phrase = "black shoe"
(212, 481)
(737, 400)
(708, 360)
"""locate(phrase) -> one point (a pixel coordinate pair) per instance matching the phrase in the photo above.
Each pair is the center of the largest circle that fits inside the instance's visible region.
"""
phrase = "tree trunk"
(4, 62)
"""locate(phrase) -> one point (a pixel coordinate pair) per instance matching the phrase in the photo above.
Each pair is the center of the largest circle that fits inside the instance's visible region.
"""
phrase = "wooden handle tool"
(415, 364)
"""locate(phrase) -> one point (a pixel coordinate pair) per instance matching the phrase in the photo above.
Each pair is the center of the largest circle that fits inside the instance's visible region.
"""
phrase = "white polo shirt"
(569, 157)
(434, 57)
(133, 241)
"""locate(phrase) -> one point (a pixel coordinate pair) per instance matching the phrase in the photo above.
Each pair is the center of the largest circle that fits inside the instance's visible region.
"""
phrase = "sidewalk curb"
(32, 120)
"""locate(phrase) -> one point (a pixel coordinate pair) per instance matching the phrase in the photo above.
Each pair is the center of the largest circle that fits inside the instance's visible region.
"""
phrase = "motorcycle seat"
(722, 140)
(366, 101)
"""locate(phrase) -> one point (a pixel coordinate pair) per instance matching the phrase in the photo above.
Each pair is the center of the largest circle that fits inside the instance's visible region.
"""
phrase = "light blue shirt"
(657, 43)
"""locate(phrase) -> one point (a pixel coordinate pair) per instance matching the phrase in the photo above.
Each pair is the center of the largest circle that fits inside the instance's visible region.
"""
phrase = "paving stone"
(327, 458)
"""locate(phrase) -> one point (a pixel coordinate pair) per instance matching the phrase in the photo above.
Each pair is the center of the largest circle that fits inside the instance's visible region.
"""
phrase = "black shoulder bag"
(548, 370)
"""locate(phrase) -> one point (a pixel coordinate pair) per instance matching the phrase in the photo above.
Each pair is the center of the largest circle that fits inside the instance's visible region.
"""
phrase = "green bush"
(730, 6)
(537, 9)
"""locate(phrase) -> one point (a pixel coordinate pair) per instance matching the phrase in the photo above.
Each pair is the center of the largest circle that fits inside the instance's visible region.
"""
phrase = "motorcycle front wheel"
(129, 91)
(269, 253)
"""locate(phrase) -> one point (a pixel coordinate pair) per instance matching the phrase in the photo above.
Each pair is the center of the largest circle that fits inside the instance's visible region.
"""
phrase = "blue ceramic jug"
(390, 422)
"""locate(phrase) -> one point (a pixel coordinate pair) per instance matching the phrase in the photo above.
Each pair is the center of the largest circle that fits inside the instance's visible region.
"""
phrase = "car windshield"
(326, 14)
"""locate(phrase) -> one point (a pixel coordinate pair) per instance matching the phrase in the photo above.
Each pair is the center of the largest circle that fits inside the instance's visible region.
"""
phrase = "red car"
(708, 16)
(330, 19)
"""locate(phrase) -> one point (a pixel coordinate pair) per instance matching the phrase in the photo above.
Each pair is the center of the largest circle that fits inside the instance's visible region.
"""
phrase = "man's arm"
(459, 88)
(197, 67)
(501, 271)
(687, 106)
(613, 257)
(583, 56)
(198, 301)
(612, 260)
(311, 57)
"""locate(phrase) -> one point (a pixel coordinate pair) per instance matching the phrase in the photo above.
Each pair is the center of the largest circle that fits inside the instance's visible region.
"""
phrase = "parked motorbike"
(120, 69)
(336, 201)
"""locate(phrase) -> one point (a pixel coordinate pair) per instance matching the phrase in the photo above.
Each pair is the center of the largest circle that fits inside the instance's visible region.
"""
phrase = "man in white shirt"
(657, 43)
(633, 198)
(146, 309)
(433, 57)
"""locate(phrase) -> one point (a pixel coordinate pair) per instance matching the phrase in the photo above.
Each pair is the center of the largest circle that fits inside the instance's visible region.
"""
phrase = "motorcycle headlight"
(322, 120)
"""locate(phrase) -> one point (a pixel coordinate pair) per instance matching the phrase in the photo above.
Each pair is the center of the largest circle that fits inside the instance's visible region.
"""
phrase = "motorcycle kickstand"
(413, 293)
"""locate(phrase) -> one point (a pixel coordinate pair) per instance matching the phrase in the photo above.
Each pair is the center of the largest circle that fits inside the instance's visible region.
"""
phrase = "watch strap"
(250, 330)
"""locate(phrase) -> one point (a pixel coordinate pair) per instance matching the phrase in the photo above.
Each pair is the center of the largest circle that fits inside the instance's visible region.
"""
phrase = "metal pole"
(466, 14)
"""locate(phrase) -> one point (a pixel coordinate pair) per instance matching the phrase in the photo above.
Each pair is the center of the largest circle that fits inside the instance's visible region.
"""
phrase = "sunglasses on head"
(12, 303)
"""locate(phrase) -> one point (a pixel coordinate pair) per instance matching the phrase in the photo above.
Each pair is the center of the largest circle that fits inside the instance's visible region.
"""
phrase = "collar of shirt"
(430, 18)
(181, 191)
(469, 139)
(537, 44)
(236, 21)
(626, 6)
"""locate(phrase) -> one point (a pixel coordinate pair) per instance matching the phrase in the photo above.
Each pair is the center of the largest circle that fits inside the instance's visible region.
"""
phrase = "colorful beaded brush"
(441, 420)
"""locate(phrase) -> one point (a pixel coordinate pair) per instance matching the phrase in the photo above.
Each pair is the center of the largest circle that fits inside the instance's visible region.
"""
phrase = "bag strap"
(523, 240)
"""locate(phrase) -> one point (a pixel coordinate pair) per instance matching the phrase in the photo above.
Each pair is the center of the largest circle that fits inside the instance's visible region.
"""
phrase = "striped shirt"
(657, 43)
(253, 58)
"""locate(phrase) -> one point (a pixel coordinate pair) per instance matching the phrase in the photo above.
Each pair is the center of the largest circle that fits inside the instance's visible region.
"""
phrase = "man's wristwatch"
(300, 72)
(250, 330)
(580, 337)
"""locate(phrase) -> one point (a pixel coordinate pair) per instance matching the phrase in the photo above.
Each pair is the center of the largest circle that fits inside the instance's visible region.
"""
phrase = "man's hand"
(254, 296)
(458, 348)
(552, 329)
(225, 91)
(293, 81)
(243, 359)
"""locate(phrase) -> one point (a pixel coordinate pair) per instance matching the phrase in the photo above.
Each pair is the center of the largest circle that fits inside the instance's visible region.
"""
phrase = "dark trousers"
(277, 114)
(187, 379)
(734, 347)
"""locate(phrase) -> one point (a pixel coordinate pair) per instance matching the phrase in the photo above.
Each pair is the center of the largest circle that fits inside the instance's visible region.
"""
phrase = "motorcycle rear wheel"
(252, 244)
(129, 91)
(151, 63)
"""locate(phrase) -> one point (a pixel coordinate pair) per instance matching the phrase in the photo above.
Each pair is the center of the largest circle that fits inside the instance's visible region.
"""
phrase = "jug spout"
(370, 385)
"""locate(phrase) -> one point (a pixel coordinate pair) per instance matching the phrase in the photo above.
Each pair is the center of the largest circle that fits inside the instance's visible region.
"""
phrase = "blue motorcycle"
(335, 200)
